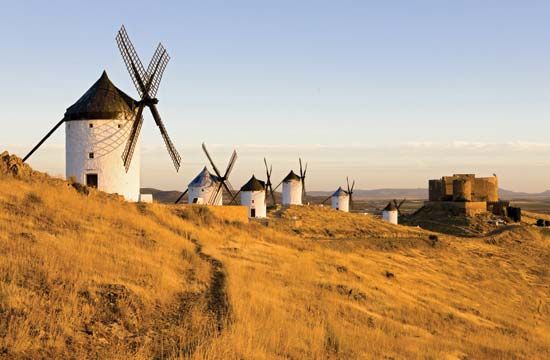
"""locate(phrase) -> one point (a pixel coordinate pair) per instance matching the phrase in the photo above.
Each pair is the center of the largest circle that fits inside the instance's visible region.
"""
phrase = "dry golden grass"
(96, 276)
(302, 298)
(91, 276)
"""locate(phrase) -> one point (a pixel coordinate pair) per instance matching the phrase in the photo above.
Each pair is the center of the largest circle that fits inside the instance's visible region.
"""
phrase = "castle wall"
(447, 188)
(471, 208)
(486, 189)
(435, 190)
(464, 187)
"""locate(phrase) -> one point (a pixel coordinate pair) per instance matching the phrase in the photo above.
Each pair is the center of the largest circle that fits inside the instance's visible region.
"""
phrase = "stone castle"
(465, 194)
(464, 187)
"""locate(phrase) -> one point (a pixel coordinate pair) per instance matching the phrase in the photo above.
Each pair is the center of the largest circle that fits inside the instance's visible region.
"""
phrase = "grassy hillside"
(87, 275)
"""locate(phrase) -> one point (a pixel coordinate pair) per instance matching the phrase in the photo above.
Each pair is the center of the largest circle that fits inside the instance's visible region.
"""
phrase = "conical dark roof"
(340, 192)
(291, 176)
(254, 185)
(204, 179)
(102, 101)
(390, 207)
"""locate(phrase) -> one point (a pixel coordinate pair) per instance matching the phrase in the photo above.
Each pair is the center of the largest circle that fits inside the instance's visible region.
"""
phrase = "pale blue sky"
(399, 88)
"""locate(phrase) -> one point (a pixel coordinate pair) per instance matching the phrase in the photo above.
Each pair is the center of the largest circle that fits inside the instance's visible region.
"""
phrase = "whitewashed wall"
(254, 200)
(106, 139)
(341, 203)
(390, 216)
(292, 192)
(204, 193)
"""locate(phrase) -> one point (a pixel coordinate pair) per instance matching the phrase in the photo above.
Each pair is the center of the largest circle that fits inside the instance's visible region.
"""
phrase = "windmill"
(391, 213)
(268, 184)
(223, 181)
(342, 199)
(294, 187)
(253, 195)
(147, 83)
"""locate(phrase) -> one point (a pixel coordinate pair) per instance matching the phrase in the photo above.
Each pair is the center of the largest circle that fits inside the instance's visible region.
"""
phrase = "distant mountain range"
(380, 194)
(420, 194)
(376, 194)
(163, 196)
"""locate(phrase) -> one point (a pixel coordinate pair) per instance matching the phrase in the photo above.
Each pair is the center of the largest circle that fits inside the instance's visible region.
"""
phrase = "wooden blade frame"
(181, 196)
(132, 61)
(147, 84)
(176, 158)
(43, 139)
(268, 185)
(132, 139)
(211, 161)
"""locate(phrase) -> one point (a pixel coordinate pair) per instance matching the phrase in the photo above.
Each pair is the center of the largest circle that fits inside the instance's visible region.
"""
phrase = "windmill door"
(253, 213)
(91, 180)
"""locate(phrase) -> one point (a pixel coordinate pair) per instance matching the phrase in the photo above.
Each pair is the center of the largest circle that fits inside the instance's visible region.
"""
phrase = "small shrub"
(81, 189)
(197, 214)
(331, 341)
(33, 198)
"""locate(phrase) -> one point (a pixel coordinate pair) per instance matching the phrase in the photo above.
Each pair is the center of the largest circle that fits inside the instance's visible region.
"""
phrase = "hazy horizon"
(390, 94)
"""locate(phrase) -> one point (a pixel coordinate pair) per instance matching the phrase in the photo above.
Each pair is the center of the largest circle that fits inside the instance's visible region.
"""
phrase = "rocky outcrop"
(13, 165)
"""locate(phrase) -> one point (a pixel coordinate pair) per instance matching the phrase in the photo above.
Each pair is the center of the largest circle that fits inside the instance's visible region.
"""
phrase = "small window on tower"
(91, 126)
(252, 201)
(119, 126)
(90, 155)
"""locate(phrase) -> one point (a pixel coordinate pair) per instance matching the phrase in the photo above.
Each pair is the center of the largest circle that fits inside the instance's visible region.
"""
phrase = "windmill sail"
(147, 83)
(223, 179)
(268, 184)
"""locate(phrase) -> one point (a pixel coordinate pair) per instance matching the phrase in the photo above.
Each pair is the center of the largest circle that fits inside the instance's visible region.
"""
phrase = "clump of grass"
(33, 198)
(331, 341)
(200, 215)
(3, 299)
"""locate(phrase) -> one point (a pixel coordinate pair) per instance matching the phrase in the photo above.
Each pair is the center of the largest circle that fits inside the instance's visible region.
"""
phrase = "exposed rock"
(13, 165)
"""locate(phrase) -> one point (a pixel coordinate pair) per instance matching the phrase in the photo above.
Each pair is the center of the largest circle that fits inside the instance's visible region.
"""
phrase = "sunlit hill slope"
(85, 275)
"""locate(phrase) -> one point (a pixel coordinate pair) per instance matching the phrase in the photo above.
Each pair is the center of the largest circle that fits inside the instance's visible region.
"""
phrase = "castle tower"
(97, 128)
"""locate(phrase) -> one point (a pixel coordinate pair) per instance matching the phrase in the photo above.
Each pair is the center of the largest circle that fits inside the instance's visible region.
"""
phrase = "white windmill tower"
(391, 212)
(208, 188)
(202, 189)
(97, 128)
(253, 197)
(294, 190)
(341, 199)
(103, 126)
